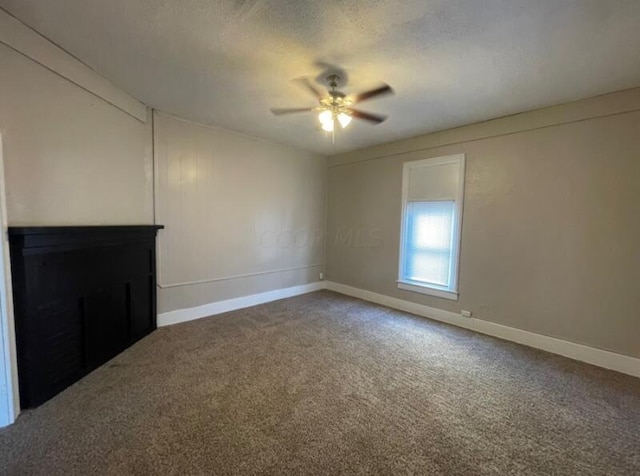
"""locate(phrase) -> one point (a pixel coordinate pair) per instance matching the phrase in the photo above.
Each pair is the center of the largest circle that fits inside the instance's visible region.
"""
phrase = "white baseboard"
(184, 315)
(602, 358)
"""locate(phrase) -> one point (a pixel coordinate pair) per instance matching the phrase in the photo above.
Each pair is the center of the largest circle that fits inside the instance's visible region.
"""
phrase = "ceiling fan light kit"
(328, 119)
(336, 108)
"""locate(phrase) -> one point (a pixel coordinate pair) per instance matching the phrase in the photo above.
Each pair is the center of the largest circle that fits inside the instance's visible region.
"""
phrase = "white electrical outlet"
(466, 313)
(321, 276)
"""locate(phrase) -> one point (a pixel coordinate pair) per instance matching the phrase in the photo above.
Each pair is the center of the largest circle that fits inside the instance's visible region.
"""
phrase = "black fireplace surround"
(82, 294)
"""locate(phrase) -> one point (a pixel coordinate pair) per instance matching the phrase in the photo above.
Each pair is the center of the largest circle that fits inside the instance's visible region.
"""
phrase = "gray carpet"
(326, 384)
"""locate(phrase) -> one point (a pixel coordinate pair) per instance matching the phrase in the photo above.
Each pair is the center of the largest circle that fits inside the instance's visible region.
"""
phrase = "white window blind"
(433, 182)
(429, 242)
(432, 212)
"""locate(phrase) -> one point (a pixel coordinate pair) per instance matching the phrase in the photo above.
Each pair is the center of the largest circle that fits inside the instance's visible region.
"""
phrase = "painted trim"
(605, 105)
(424, 289)
(460, 161)
(219, 307)
(601, 358)
(9, 396)
(26, 41)
(238, 276)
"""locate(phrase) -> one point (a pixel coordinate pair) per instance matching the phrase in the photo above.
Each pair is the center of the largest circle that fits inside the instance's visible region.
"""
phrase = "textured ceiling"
(451, 62)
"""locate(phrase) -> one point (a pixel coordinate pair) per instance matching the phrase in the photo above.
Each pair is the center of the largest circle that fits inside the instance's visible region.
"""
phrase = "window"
(432, 195)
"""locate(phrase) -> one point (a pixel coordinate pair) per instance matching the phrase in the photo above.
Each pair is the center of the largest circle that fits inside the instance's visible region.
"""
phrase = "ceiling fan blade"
(306, 83)
(375, 118)
(382, 90)
(279, 111)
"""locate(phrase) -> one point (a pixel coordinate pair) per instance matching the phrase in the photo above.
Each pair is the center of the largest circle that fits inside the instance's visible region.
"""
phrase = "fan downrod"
(333, 80)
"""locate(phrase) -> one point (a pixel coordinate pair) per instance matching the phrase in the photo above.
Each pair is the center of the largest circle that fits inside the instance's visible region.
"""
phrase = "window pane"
(428, 242)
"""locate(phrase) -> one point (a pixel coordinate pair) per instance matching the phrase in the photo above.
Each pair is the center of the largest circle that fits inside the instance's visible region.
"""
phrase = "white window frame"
(433, 290)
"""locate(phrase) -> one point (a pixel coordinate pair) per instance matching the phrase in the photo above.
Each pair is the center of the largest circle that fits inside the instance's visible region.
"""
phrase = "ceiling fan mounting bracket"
(333, 80)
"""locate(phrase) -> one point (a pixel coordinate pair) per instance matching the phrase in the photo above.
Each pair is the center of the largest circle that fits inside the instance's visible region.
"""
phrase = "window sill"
(422, 289)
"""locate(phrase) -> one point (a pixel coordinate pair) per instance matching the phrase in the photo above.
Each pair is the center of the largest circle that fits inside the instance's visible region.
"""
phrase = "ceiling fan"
(336, 107)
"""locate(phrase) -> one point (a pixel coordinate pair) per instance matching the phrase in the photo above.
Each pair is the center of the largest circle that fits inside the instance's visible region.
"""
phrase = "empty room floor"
(328, 384)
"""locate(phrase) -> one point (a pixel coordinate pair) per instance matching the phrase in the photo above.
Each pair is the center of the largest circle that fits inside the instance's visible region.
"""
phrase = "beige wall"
(551, 226)
(70, 157)
(242, 215)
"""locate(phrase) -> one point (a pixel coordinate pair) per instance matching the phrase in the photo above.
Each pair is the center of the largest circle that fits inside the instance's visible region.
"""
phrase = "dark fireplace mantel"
(82, 294)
